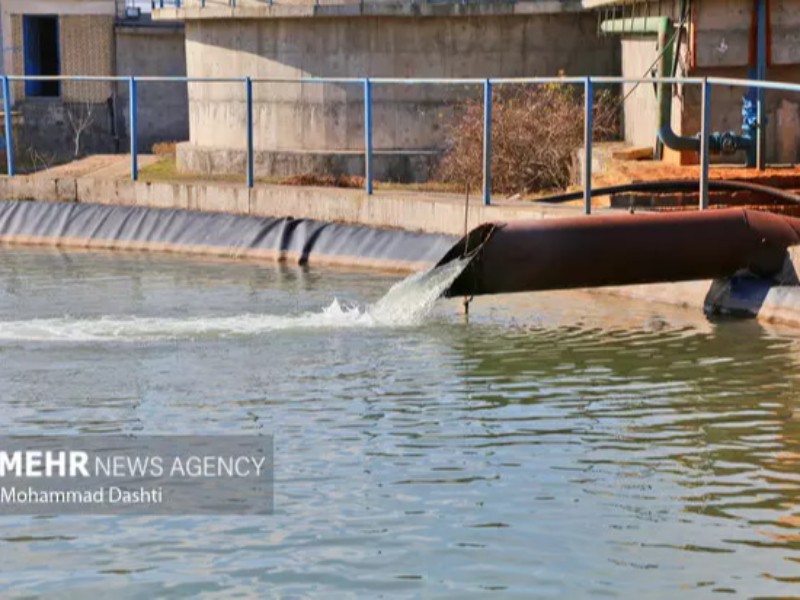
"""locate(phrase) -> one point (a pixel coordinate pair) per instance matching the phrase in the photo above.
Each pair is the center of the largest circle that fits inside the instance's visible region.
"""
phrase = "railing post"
(248, 91)
(7, 118)
(487, 142)
(704, 143)
(588, 126)
(134, 127)
(761, 74)
(368, 135)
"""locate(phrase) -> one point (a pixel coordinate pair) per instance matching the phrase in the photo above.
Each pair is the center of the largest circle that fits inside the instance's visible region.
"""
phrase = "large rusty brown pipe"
(621, 249)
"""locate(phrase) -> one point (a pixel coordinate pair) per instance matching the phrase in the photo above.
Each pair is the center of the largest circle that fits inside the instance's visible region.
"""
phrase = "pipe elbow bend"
(678, 142)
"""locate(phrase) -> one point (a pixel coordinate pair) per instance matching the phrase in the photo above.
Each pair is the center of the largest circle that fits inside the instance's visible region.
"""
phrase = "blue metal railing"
(368, 135)
(368, 84)
(487, 141)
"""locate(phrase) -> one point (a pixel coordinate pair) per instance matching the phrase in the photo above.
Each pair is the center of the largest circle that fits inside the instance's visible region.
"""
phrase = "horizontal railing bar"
(765, 85)
(769, 85)
(165, 79)
(427, 81)
(684, 80)
(536, 80)
(67, 78)
(350, 80)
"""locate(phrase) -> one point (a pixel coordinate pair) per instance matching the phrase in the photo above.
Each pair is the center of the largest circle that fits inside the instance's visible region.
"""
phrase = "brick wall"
(87, 48)
(18, 57)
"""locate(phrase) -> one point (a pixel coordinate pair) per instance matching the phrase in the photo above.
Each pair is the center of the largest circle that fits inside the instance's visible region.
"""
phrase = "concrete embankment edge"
(410, 211)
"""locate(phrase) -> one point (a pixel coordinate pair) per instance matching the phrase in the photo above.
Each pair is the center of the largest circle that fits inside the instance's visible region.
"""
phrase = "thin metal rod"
(765, 85)
(67, 78)
(705, 117)
(588, 126)
(7, 118)
(761, 73)
(368, 180)
(248, 91)
(487, 142)
(134, 127)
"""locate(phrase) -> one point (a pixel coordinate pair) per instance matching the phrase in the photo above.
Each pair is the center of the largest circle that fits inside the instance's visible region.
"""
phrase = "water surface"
(555, 445)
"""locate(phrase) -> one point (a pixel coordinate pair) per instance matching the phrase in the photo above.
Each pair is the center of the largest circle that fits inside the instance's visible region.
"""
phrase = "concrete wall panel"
(163, 109)
(329, 118)
(640, 108)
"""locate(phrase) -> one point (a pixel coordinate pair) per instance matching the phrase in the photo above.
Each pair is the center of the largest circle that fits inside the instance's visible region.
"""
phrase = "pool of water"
(560, 444)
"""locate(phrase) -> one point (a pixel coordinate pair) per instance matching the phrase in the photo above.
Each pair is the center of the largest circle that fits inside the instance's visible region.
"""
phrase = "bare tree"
(80, 117)
(40, 161)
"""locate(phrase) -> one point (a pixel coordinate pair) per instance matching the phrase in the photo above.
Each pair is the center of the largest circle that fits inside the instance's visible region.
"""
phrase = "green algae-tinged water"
(563, 445)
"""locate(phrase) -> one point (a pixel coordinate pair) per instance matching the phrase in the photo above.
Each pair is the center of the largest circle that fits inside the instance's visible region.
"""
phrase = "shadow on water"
(716, 410)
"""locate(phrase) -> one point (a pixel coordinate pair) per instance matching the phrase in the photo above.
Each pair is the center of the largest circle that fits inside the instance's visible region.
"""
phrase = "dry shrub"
(165, 148)
(535, 133)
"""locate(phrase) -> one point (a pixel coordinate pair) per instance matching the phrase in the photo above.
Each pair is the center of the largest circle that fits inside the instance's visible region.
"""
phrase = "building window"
(42, 56)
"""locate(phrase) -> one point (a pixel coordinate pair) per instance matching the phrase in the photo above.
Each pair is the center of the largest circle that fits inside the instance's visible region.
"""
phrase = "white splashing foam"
(407, 303)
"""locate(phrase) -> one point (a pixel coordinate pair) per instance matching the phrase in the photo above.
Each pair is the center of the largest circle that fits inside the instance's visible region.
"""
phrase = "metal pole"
(134, 128)
(368, 135)
(705, 117)
(248, 91)
(588, 123)
(7, 118)
(761, 74)
(487, 142)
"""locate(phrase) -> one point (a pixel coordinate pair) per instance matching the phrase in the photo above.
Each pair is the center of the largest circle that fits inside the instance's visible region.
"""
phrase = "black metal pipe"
(677, 185)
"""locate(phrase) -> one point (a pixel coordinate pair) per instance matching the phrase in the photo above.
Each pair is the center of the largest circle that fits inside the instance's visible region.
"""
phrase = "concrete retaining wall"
(408, 211)
(325, 119)
(432, 213)
(395, 166)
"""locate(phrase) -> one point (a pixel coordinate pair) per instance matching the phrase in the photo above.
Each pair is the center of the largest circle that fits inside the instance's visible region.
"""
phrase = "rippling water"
(563, 444)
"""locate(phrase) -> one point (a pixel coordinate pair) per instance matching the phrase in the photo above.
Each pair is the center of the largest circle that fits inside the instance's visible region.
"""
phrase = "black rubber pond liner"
(677, 185)
(300, 241)
(624, 249)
